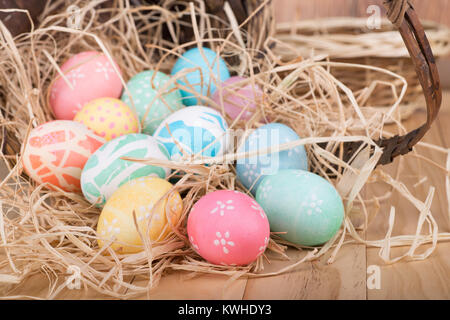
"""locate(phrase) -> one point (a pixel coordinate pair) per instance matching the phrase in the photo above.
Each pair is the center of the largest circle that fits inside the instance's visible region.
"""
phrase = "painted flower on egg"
(304, 206)
(228, 227)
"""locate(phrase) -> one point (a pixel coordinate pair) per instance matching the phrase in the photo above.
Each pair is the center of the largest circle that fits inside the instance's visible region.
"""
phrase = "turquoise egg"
(303, 204)
(198, 130)
(252, 170)
(143, 89)
(212, 70)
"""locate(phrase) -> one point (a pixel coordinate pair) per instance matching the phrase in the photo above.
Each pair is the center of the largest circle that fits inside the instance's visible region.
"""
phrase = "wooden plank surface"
(429, 279)
(343, 279)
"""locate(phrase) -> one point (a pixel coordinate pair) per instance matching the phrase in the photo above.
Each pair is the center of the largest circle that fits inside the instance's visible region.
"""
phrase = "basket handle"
(402, 14)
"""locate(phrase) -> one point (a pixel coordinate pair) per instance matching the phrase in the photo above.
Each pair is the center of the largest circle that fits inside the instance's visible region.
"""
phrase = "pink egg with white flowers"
(238, 97)
(228, 227)
(88, 75)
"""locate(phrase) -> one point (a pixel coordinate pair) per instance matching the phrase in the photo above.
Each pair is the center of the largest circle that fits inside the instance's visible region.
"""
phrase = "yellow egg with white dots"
(153, 203)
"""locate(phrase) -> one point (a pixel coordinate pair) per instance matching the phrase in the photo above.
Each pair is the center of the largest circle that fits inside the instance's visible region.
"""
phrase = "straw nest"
(49, 232)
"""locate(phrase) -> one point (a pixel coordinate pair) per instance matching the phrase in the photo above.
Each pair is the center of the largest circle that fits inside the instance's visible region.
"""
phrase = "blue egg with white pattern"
(301, 206)
(211, 70)
(251, 170)
(197, 130)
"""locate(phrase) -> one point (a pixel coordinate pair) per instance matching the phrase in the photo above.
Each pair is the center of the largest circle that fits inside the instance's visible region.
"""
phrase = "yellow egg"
(108, 117)
(148, 197)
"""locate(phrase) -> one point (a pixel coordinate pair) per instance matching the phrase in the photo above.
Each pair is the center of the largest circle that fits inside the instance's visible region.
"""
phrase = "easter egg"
(228, 227)
(153, 98)
(56, 152)
(211, 70)
(197, 130)
(238, 98)
(90, 75)
(105, 171)
(252, 170)
(303, 204)
(152, 203)
(108, 117)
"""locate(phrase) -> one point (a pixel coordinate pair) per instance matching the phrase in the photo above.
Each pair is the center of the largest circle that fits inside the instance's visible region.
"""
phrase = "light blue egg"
(303, 204)
(252, 170)
(145, 96)
(198, 130)
(201, 80)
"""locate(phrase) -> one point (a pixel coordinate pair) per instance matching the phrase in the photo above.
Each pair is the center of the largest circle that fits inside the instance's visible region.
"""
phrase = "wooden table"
(346, 277)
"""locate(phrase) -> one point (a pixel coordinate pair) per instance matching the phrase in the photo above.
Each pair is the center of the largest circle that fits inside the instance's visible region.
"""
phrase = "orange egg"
(108, 117)
(56, 152)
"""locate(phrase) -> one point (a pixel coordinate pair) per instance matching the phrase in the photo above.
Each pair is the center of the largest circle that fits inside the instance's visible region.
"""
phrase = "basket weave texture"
(349, 40)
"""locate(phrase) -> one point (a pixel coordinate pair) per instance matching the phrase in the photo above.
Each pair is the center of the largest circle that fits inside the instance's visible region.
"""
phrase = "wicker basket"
(349, 40)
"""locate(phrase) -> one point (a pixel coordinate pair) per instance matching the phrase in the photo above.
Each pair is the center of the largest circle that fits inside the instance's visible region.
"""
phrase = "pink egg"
(228, 227)
(237, 96)
(91, 76)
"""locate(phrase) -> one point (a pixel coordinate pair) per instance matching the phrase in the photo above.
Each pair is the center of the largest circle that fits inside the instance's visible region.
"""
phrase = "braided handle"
(402, 14)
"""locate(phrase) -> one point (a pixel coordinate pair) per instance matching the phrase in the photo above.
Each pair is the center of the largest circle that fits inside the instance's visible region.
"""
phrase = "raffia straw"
(46, 232)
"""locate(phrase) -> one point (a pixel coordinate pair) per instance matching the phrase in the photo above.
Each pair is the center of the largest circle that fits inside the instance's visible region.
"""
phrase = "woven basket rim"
(328, 38)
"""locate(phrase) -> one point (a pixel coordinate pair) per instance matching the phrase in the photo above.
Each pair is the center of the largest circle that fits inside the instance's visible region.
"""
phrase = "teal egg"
(211, 69)
(105, 171)
(153, 99)
(303, 204)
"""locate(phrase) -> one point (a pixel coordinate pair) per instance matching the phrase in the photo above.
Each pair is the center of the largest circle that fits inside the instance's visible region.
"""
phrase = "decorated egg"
(87, 76)
(251, 170)
(56, 152)
(239, 98)
(153, 97)
(108, 117)
(228, 227)
(303, 204)
(197, 130)
(211, 70)
(105, 171)
(152, 203)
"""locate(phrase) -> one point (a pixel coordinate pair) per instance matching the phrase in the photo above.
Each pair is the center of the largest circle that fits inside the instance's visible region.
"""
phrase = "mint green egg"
(105, 171)
(153, 94)
(303, 204)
